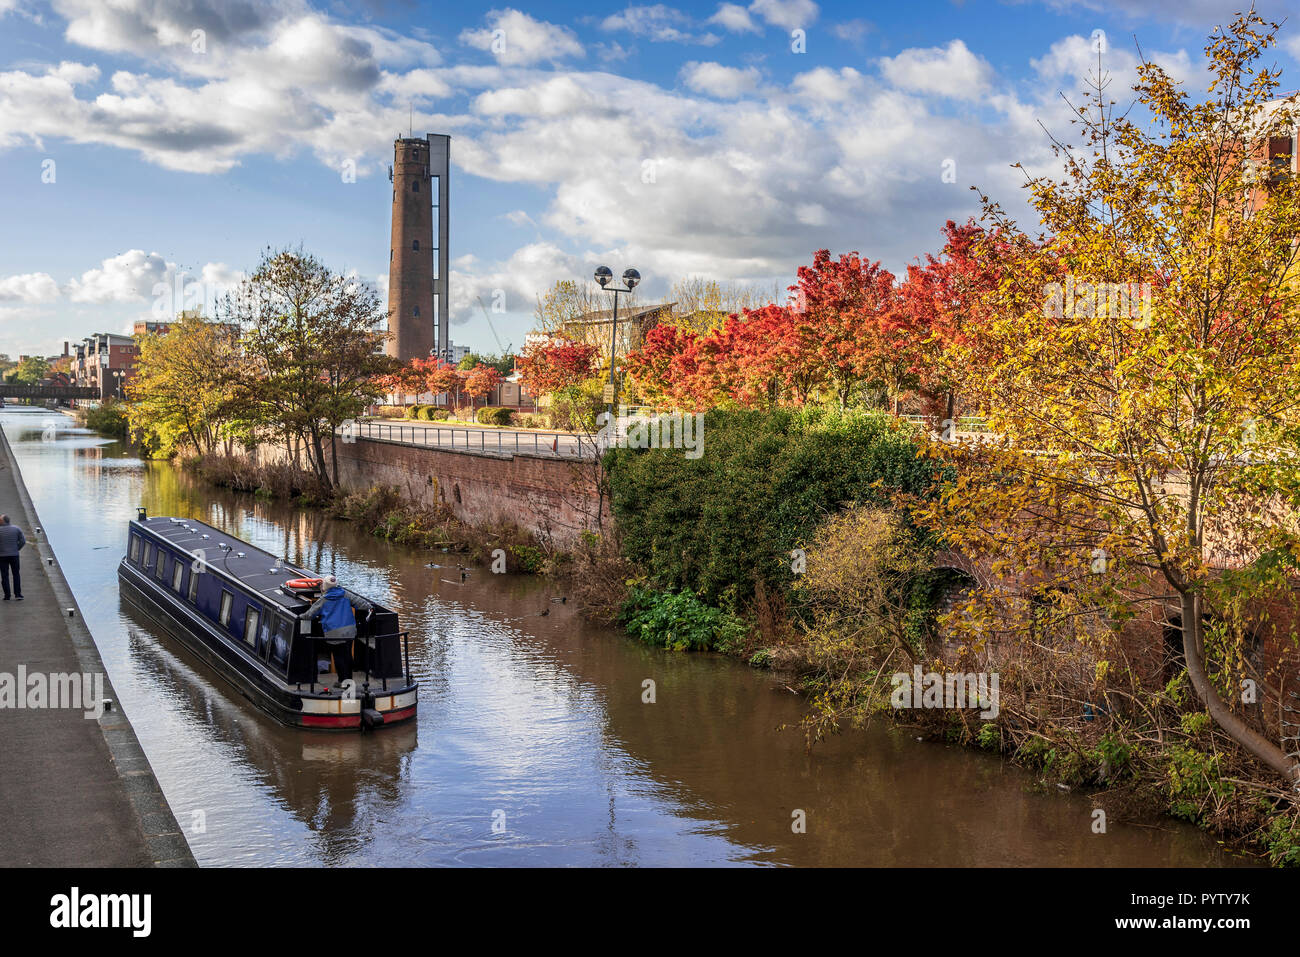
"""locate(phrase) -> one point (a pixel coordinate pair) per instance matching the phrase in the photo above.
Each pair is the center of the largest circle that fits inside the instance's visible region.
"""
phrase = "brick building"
(104, 362)
(418, 316)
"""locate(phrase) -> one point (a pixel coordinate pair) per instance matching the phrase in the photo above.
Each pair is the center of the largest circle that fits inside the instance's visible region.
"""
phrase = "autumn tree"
(29, 371)
(1140, 367)
(440, 376)
(556, 364)
(310, 337)
(481, 381)
(945, 299)
(186, 387)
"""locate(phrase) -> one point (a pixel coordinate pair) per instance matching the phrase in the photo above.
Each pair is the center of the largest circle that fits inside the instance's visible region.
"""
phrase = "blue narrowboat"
(243, 611)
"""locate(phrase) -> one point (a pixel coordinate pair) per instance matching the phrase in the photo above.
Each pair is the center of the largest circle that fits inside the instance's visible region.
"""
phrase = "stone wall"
(554, 498)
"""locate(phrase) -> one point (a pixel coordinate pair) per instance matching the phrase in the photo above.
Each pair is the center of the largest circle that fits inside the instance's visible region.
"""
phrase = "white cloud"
(531, 269)
(516, 39)
(1201, 13)
(733, 17)
(128, 277)
(853, 31)
(952, 71)
(272, 78)
(660, 24)
(29, 287)
(714, 79)
(787, 14)
(1072, 58)
(556, 97)
(825, 85)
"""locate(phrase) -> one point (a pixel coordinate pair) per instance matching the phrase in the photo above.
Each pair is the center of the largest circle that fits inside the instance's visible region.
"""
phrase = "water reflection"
(533, 744)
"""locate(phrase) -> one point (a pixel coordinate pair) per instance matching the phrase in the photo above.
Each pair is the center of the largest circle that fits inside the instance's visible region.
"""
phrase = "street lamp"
(604, 276)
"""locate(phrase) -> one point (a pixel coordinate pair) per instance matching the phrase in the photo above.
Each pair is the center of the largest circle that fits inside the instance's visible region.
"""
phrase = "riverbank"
(76, 791)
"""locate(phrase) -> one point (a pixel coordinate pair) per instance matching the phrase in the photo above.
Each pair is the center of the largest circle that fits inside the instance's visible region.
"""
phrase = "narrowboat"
(244, 612)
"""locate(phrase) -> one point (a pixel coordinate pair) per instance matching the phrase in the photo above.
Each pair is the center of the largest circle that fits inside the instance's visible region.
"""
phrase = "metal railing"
(469, 439)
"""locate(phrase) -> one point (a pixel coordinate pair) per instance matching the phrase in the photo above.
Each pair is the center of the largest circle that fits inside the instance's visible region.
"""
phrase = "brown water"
(533, 721)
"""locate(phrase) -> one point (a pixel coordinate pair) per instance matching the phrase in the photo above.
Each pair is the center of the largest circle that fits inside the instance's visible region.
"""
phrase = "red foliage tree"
(556, 364)
(481, 380)
(945, 295)
(439, 376)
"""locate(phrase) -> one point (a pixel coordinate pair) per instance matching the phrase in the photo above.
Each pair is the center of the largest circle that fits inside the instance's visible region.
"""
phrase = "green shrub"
(528, 558)
(680, 621)
(719, 523)
(494, 415)
(433, 413)
(109, 418)
(413, 411)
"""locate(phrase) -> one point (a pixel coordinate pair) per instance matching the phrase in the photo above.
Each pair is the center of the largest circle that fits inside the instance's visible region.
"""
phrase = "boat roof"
(251, 566)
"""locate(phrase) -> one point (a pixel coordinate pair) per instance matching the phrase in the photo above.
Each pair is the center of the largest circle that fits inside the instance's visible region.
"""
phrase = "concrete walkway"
(73, 791)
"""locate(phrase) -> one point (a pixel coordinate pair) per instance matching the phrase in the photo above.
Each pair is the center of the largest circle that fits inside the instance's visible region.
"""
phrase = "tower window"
(417, 312)
(415, 186)
(415, 244)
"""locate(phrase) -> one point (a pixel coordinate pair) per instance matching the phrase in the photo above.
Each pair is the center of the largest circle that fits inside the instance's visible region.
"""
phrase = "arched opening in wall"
(1248, 700)
(1172, 661)
(455, 492)
(947, 592)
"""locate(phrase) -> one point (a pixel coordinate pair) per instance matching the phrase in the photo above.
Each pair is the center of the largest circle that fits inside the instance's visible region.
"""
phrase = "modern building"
(104, 362)
(454, 353)
(1275, 158)
(418, 313)
(593, 328)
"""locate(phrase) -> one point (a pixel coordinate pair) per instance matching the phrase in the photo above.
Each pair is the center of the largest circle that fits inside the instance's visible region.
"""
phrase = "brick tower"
(417, 287)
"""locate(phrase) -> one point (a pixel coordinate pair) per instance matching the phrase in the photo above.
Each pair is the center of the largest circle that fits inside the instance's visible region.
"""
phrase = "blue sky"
(690, 139)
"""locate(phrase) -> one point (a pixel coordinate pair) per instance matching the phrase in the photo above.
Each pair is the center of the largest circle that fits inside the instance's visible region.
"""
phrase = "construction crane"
(505, 350)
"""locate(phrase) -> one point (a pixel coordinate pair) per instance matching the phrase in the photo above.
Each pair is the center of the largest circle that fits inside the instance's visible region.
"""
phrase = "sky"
(151, 150)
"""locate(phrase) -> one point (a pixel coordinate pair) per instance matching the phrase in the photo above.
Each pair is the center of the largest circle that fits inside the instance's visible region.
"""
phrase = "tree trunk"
(1237, 729)
(334, 454)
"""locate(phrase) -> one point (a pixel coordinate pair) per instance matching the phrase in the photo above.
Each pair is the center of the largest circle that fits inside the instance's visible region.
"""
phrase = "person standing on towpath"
(12, 541)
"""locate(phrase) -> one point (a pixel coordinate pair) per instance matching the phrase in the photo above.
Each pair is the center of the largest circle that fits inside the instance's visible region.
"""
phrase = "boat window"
(178, 573)
(227, 600)
(250, 626)
(280, 647)
(148, 555)
(281, 633)
(161, 571)
(194, 583)
(135, 548)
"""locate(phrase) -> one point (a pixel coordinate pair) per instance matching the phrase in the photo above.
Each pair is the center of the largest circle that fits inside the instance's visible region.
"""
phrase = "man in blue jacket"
(11, 543)
(338, 620)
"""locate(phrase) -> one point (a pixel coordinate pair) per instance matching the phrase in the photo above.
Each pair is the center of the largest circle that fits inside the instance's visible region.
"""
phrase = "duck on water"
(304, 649)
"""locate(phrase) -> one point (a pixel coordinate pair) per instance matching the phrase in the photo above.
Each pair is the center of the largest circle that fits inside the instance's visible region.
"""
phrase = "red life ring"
(303, 583)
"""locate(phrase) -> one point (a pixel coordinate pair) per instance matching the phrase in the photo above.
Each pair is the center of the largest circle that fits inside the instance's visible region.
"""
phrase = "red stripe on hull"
(392, 717)
(331, 720)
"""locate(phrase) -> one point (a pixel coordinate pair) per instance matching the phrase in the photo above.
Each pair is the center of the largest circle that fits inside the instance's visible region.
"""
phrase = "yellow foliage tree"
(1141, 374)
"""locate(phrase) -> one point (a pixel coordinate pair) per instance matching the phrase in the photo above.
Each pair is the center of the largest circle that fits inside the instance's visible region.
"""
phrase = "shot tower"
(418, 316)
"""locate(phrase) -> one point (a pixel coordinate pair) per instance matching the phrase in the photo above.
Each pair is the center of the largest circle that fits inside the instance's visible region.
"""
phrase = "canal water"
(533, 745)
